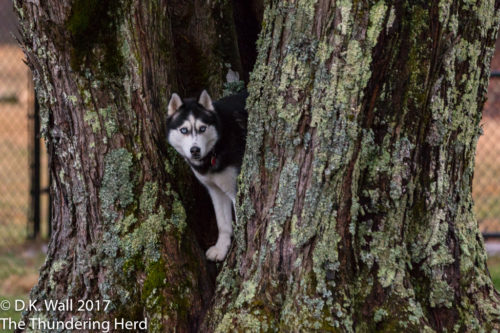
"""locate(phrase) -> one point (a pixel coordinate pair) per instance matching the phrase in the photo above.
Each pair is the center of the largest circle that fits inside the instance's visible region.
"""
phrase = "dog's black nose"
(195, 150)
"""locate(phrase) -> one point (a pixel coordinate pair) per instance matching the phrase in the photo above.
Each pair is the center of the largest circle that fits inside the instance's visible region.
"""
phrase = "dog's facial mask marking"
(192, 136)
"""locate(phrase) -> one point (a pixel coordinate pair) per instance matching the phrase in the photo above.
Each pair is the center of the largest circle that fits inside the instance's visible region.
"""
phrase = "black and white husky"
(211, 138)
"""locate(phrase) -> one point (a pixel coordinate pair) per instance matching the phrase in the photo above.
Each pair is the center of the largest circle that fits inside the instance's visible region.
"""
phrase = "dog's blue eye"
(203, 129)
(184, 130)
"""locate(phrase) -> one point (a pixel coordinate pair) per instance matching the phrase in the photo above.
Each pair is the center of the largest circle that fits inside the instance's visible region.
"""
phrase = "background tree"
(355, 196)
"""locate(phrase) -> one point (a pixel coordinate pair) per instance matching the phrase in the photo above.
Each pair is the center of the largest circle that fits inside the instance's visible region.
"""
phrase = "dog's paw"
(217, 253)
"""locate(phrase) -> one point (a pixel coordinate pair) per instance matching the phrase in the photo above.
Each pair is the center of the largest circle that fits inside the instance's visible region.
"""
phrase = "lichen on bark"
(370, 100)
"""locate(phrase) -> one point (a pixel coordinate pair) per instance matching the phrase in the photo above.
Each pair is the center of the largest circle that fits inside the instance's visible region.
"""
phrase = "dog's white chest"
(225, 180)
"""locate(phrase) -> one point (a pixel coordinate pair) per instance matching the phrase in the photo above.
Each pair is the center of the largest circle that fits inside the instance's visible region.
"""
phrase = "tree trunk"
(122, 200)
(355, 209)
(355, 198)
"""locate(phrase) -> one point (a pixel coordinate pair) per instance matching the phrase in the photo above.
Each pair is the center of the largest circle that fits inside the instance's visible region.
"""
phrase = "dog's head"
(192, 126)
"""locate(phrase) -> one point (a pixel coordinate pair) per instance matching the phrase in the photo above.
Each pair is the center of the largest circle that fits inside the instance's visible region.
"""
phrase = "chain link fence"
(20, 254)
(486, 185)
(16, 101)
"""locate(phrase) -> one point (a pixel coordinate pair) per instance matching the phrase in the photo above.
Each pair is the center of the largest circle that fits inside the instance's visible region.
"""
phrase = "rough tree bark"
(122, 201)
(355, 197)
(355, 209)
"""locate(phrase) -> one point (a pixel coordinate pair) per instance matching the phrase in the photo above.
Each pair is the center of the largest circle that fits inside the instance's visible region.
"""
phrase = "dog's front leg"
(222, 205)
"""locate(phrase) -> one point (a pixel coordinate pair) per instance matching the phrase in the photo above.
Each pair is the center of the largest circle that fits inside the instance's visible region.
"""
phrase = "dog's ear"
(174, 104)
(206, 101)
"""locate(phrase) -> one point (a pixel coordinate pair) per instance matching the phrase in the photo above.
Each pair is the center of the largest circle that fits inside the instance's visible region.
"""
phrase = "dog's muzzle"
(195, 153)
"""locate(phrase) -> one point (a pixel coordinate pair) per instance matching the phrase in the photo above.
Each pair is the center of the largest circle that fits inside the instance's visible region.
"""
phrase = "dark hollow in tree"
(355, 209)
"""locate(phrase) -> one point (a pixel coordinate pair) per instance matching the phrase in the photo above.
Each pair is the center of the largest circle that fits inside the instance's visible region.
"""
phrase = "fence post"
(35, 173)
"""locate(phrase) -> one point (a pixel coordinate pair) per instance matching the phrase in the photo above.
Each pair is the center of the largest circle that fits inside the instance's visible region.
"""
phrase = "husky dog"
(211, 138)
